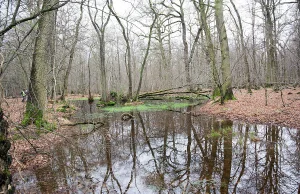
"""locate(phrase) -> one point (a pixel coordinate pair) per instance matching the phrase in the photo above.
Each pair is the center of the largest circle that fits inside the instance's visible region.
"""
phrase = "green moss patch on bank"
(148, 107)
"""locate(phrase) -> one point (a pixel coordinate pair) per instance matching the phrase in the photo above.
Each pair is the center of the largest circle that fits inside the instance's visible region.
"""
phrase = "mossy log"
(168, 92)
(162, 91)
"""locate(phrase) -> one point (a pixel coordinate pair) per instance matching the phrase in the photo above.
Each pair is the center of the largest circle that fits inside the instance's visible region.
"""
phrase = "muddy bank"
(251, 108)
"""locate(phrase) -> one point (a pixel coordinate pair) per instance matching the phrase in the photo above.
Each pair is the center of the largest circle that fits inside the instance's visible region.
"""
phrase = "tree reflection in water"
(170, 152)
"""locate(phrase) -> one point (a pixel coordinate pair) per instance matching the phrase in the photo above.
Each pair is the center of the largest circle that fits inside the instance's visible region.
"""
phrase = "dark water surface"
(170, 152)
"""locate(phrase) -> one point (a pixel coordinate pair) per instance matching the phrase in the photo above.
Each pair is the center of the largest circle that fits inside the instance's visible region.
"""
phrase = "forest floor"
(34, 151)
(30, 148)
(251, 108)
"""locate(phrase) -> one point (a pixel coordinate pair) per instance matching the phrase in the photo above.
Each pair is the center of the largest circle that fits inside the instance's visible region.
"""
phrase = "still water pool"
(169, 152)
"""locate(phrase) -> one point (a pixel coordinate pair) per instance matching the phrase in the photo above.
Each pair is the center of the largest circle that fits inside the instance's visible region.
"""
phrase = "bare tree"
(244, 50)
(10, 24)
(268, 8)
(147, 50)
(72, 52)
(100, 30)
(128, 50)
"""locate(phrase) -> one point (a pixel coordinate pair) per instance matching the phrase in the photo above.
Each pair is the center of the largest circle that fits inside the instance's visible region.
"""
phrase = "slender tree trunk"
(89, 69)
(100, 30)
(211, 56)
(185, 49)
(241, 33)
(254, 43)
(119, 67)
(72, 52)
(128, 50)
(145, 57)
(162, 52)
(103, 77)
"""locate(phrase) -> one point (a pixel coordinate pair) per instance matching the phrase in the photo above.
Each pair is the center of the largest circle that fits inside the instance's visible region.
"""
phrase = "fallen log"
(98, 123)
(201, 93)
(155, 92)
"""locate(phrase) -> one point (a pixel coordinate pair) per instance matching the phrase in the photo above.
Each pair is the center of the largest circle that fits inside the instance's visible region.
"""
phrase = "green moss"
(228, 95)
(16, 137)
(147, 107)
(111, 103)
(49, 126)
(65, 107)
(113, 94)
(33, 115)
(102, 103)
(216, 93)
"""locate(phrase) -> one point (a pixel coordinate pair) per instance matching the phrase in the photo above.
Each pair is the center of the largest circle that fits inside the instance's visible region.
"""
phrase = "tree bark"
(210, 47)
(37, 99)
(226, 90)
(270, 31)
(5, 158)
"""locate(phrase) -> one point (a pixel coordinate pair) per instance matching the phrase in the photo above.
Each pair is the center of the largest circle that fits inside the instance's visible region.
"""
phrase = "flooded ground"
(169, 152)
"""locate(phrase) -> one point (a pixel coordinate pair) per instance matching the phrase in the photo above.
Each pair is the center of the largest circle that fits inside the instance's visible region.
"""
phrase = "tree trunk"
(100, 30)
(89, 69)
(272, 67)
(210, 47)
(37, 99)
(5, 158)
(185, 48)
(72, 52)
(226, 90)
(145, 57)
(128, 50)
(241, 33)
(103, 77)
(254, 43)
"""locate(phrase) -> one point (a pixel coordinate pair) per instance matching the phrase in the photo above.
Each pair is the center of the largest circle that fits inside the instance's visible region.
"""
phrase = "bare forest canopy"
(99, 46)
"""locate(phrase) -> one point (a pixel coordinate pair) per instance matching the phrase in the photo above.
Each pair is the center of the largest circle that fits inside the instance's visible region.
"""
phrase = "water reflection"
(171, 152)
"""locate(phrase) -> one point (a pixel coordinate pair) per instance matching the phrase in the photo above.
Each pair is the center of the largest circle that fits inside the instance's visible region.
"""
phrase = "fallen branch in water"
(83, 123)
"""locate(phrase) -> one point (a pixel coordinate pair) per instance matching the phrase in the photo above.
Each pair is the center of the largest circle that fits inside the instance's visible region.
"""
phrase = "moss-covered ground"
(148, 107)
